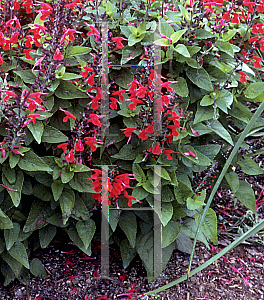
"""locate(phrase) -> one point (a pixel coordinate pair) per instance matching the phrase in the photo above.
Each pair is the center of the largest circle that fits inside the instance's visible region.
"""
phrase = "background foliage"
(56, 130)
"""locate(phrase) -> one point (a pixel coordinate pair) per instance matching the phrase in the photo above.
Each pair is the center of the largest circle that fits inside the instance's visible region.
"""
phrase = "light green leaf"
(177, 35)
(209, 226)
(200, 78)
(246, 196)
(254, 90)
(139, 173)
(81, 183)
(139, 193)
(249, 167)
(66, 175)
(219, 129)
(232, 180)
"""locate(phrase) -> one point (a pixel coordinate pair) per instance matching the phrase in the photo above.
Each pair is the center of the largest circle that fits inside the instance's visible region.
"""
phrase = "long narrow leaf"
(235, 243)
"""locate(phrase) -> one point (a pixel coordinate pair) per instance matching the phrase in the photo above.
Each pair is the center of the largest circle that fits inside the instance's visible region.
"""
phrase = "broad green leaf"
(126, 153)
(11, 235)
(46, 235)
(182, 49)
(37, 269)
(27, 76)
(127, 253)
(67, 200)
(139, 173)
(207, 100)
(209, 150)
(73, 235)
(32, 162)
(203, 114)
(177, 35)
(196, 201)
(68, 90)
(126, 76)
(183, 243)
(233, 180)
(77, 50)
(57, 188)
(66, 175)
(42, 192)
(225, 47)
(180, 87)
(19, 253)
(170, 233)
(113, 218)
(10, 174)
(70, 76)
(13, 159)
(5, 223)
(254, 90)
(80, 211)
(166, 209)
(81, 183)
(167, 194)
(246, 196)
(53, 135)
(209, 226)
(38, 215)
(200, 78)
(203, 34)
(139, 193)
(162, 173)
(128, 223)
(15, 266)
(220, 130)
(249, 167)
(86, 230)
(115, 135)
(36, 130)
(182, 192)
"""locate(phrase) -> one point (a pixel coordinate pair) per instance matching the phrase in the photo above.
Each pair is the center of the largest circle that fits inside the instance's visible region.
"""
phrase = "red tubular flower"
(58, 55)
(28, 55)
(70, 156)
(243, 78)
(79, 146)
(119, 93)
(86, 71)
(91, 142)
(68, 115)
(134, 103)
(93, 31)
(113, 104)
(143, 135)
(63, 146)
(226, 16)
(250, 6)
(1, 60)
(95, 119)
(257, 29)
(235, 18)
(9, 94)
(156, 149)
(45, 11)
(257, 64)
(118, 40)
(168, 154)
(68, 33)
(90, 80)
(37, 96)
(34, 116)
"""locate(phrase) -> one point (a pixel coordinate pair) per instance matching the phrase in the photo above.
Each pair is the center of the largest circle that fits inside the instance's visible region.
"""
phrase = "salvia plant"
(124, 101)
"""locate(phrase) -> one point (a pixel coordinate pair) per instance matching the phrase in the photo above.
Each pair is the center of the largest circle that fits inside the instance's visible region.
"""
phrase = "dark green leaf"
(200, 78)
(11, 235)
(46, 235)
(86, 230)
(81, 183)
(67, 200)
(246, 196)
(19, 253)
(37, 269)
(170, 233)
(31, 162)
(250, 167)
(53, 135)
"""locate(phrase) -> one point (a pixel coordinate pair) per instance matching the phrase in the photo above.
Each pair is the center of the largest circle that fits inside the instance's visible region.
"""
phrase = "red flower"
(257, 64)
(79, 146)
(63, 146)
(95, 119)
(45, 10)
(143, 135)
(86, 70)
(69, 33)
(257, 28)
(226, 16)
(90, 80)
(58, 55)
(70, 156)
(156, 149)
(36, 96)
(29, 41)
(119, 93)
(68, 115)
(128, 131)
(1, 60)
(118, 40)
(113, 104)
(91, 141)
(33, 117)
(168, 154)
(9, 94)
(134, 103)
(27, 51)
(93, 31)
(243, 78)
(235, 18)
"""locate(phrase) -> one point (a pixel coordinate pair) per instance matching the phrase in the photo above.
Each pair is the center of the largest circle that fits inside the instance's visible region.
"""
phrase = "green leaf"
(249, 167)
(200, 78)
(13, 159)
(17, 186)
(126, 153)
(11, 235)
(254, 90)
(86, 230)
(128, 223)
(145, 250)
(139, 193)
(15, 266)
(139, 173)
(202, 34)
(183, 243)
(246, 196)
(37, 269)
(209, 226)
(162, 173)
(26, 75)
(70, 76)
(166, 194)
(127, 253)
(5, 223)
(115, 135)
(207, 100)
(80, 211)
(68, 90)
(73, 235)
(10, 174)
(225, 47)
(38, 215)
(31, 162)
(182, 192)
(57, 188)
(81, 183)
(182, 49)
(170, 233)
(77, 50)
(220, 130)
(180, 87)
(53, 135)
(42, 192)
(126, 76)
(203, 114)
(66, 175)
(67, 200)
(166, 209)
(36, 130)
(233, 181)
(19, 253)
(177, 35)
(46, 235)
(196, 201)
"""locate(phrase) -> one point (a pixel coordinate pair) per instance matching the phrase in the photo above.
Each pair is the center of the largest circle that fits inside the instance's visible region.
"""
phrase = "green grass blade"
(235, 243)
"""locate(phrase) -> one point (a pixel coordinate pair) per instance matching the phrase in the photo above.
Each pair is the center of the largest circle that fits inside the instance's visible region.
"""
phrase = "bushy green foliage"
(171, 127)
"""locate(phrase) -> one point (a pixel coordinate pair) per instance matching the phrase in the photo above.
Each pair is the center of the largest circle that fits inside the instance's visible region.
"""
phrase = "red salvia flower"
(156, 149)
(58, 55)
(235, 18)
(168, 154)
(70, 156)
(68, 115)
(91, 141)
(95, 119)
(257, 64)
(79, 146)
(28, 55)
(118, 40)
(86, 71)
(243, 77)
(63, 146)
